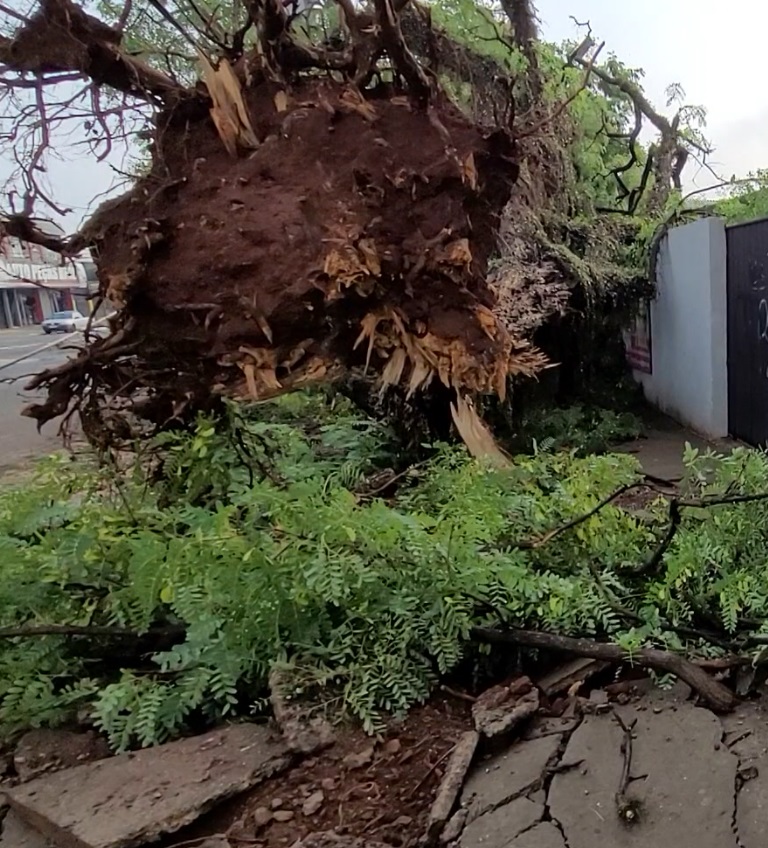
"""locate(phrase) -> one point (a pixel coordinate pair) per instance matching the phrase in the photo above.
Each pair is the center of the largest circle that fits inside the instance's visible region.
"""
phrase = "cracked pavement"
(693, 779)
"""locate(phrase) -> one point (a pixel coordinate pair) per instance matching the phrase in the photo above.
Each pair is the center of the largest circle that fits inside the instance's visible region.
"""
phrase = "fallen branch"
(713, 693)
(654, 560)
(532, 544)
(84, 630)
(675, 519)
(626, 808)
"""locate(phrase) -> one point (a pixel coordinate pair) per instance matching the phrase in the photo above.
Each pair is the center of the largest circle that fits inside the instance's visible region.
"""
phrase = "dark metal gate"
(747, 299)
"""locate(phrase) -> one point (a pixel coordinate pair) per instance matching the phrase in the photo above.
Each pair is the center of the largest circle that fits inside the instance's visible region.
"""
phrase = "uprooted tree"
(426, 198)
(374, 190)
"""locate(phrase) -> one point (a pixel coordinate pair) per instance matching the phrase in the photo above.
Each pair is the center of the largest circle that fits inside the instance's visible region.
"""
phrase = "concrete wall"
(689, 379)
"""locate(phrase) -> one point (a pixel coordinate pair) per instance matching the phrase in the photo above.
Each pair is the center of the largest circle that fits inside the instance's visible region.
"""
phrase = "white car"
(64, 322)
(73, 321)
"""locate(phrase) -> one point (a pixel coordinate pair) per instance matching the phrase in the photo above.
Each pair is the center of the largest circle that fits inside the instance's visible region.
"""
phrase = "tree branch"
(532, 544)
(62, 38)
(31, 631)
(718, 697)
(566, 103)
(401, 56)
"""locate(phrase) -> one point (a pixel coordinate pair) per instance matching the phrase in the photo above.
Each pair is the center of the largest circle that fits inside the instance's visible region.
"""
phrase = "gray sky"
(714, 50)
(713, 55)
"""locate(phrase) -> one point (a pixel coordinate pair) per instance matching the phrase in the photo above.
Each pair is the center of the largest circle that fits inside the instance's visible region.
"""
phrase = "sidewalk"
(660, 450)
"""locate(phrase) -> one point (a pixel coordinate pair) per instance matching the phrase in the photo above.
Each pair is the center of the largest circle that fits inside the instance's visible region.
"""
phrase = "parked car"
(73, 321)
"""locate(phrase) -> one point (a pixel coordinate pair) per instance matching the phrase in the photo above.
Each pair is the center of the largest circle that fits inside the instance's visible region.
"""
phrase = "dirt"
(381, 790)
(43, 751)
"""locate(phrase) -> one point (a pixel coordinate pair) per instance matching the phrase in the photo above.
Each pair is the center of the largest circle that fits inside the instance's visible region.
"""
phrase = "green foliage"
(746, 201)
(251, 548)
(584, 430)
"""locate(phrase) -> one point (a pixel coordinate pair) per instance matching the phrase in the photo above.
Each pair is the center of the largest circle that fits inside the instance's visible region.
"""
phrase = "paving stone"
(126, 801)
(16, 834)
(544, 835)
(497, 828)
(450, 785)
(685, 781)
(508, 774)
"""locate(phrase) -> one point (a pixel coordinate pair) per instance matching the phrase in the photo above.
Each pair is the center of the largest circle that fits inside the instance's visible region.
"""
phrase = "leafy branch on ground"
(251, 541)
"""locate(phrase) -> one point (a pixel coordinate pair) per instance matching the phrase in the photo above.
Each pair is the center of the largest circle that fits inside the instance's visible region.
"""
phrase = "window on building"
(15, 249)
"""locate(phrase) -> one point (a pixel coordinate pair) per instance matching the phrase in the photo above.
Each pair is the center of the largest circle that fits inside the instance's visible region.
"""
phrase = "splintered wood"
(228, 112)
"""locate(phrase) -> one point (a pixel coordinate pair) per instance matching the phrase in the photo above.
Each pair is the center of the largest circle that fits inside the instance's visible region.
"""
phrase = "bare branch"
(62, 38)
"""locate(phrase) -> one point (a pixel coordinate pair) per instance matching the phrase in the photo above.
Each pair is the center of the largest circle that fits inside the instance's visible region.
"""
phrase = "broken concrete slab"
(577, 670)
(543, 835)
(683, 781)
(131, 799)
(500, 709)
(17, 834)
(497, 828)
(454, 827)
(450, 786)
(508, 775)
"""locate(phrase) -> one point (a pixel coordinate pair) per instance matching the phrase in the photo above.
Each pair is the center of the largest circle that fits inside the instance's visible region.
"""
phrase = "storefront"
(34, 283)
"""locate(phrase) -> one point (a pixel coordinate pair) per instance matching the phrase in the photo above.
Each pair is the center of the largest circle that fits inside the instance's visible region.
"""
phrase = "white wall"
(688, 329)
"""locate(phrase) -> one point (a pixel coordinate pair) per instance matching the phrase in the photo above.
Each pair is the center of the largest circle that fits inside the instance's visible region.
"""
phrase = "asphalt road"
(19, 439)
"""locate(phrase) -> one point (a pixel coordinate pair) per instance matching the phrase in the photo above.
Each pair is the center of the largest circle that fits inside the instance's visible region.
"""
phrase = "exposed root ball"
(354, 231)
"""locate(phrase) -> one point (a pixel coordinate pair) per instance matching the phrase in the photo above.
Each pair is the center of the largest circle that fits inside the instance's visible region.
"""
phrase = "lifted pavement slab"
(682, 778)
(132, 799)
(693, 779)
(508, 775)
(497, 828)
(16, 834)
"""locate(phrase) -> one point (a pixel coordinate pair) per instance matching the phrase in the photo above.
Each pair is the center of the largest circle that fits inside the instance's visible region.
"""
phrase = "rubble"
(501, 709)
(131, 799)
(450, 786)
(691, 778)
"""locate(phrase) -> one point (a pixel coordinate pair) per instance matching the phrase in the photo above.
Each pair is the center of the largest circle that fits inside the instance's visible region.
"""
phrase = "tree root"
(717, 696)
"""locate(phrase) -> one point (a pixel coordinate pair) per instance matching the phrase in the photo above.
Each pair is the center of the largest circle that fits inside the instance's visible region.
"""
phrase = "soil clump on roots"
(354, 231)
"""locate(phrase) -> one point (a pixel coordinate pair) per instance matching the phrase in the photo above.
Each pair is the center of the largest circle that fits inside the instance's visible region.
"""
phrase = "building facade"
(35, 283)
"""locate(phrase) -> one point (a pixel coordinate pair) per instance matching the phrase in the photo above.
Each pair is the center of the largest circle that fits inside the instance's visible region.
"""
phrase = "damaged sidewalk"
(623, 767)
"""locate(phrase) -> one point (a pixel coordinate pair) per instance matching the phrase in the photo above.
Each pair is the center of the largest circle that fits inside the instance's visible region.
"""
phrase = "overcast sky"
(714, 50)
